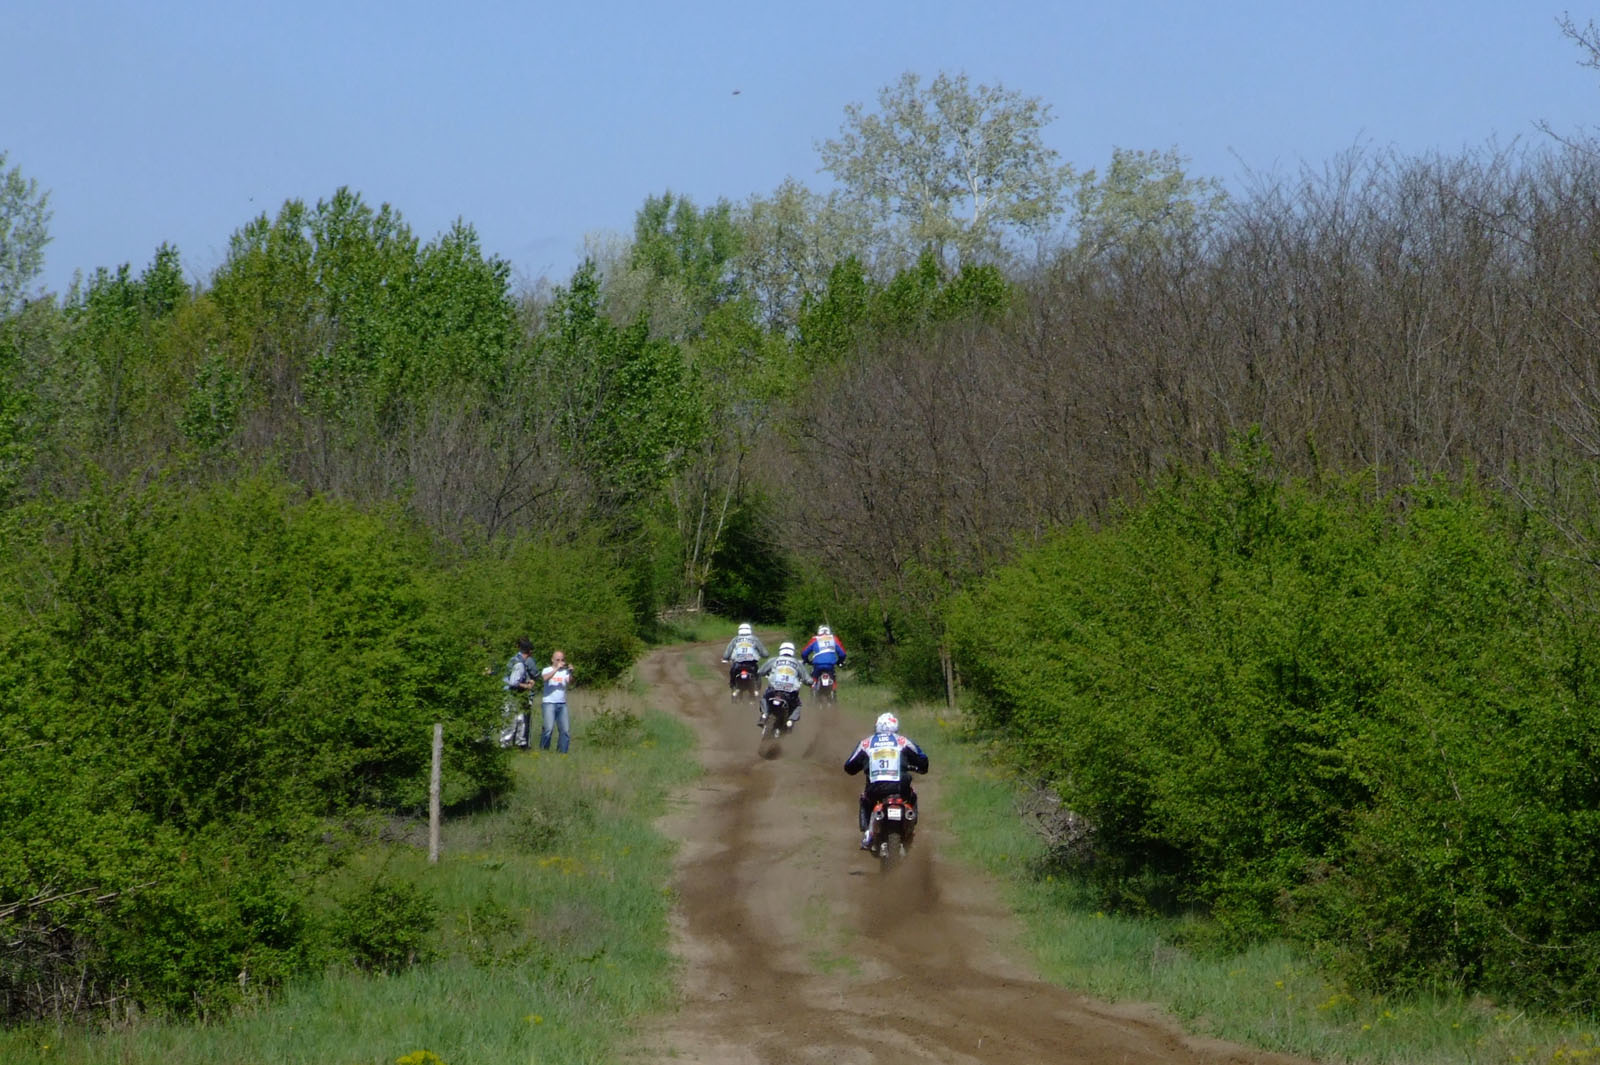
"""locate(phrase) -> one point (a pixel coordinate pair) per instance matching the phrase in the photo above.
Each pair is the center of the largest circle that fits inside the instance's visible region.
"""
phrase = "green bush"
(1313, 710)
(614, 727)
(386, 926)
(194, 686)
(570, 595)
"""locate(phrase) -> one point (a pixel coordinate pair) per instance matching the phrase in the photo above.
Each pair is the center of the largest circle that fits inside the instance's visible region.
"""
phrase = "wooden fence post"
(433, 794)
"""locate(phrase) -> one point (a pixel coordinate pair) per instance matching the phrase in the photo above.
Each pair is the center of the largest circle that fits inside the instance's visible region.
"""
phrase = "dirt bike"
(746, 683)
(826, 685)
(893, 824)
(774, 717)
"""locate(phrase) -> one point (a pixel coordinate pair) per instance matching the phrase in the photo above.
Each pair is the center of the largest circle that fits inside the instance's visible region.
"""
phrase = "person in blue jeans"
(557, 675)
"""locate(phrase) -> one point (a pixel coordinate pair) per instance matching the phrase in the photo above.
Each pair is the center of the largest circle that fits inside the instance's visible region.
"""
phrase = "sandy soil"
(796, 948)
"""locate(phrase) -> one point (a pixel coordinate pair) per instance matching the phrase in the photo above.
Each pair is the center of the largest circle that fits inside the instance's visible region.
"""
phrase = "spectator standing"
(557, 676)
(522, 674)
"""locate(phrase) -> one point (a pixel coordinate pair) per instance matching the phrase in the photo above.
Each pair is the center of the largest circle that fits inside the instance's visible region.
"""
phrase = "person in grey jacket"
(522, 676)
(745, 648)
(787, 674)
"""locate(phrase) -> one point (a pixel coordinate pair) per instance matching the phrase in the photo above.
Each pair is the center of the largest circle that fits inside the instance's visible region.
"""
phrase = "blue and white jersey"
(886, 756)
(822, 651)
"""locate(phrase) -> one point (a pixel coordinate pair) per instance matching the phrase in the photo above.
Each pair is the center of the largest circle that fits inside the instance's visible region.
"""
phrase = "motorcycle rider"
(745, 649)
(889, 759)
(824, 652)
(786, 674)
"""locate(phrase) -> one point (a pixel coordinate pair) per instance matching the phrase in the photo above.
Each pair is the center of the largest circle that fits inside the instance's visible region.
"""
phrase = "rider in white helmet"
(889, 759)
(745, 648)
(824, 652)
(787, 674)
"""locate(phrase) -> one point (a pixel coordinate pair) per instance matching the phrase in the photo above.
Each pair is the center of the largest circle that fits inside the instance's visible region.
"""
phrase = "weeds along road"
(795, 948)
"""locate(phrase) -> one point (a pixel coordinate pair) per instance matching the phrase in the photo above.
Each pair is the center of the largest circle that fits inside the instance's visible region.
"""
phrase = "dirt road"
(796, 949)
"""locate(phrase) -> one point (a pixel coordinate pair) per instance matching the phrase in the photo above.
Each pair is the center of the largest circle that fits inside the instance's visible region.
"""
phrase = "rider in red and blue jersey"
(824, 652)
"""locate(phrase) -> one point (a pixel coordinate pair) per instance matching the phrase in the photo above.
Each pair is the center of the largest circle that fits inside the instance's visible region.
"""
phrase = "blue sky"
(539, 123)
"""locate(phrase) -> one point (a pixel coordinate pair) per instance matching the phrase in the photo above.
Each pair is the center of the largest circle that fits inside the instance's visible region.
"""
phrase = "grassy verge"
(1269, 997)
(552, 934)
(696, 627)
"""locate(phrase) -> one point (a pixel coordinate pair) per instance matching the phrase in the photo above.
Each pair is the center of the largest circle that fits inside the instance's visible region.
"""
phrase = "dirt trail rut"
(795, 947)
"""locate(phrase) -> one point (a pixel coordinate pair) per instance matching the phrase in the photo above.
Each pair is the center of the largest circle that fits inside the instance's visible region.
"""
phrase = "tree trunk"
(948, 664)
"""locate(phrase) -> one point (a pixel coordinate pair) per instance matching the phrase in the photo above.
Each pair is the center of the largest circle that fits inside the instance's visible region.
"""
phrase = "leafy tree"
(626, 406)
(1144, 201)
(24, 231)
(627, 413)
(831, 321)
(747, 575)
(742, 374)
(951, 167)
(853, 308)
(686, 253)
(371, 365)
(679, 273)
(790, 243)
(341, 304)
(30, 343)
(123, 370)
(457, 316)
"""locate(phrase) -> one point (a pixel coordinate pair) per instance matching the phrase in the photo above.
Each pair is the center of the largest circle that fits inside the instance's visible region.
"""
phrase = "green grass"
(696, 627)
(1269, 996)
(552, 938)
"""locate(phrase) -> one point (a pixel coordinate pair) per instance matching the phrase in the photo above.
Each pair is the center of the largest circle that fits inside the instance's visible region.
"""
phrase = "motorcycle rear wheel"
(891, 850)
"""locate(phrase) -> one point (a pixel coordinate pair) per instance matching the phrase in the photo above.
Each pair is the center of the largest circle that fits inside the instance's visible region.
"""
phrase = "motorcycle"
(745, 682)
(774, 717)
(893, 825)
(825, 685)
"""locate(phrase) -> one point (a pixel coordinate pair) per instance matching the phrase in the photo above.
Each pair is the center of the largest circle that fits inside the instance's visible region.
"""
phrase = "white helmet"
(744, 628)
(888, 723)
(786, 648)
(823, 630)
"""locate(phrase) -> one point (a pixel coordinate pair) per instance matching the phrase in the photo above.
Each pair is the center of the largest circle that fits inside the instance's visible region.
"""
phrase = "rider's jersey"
(886, 756)
(785, 673)
(823, 651)
(744, 649)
